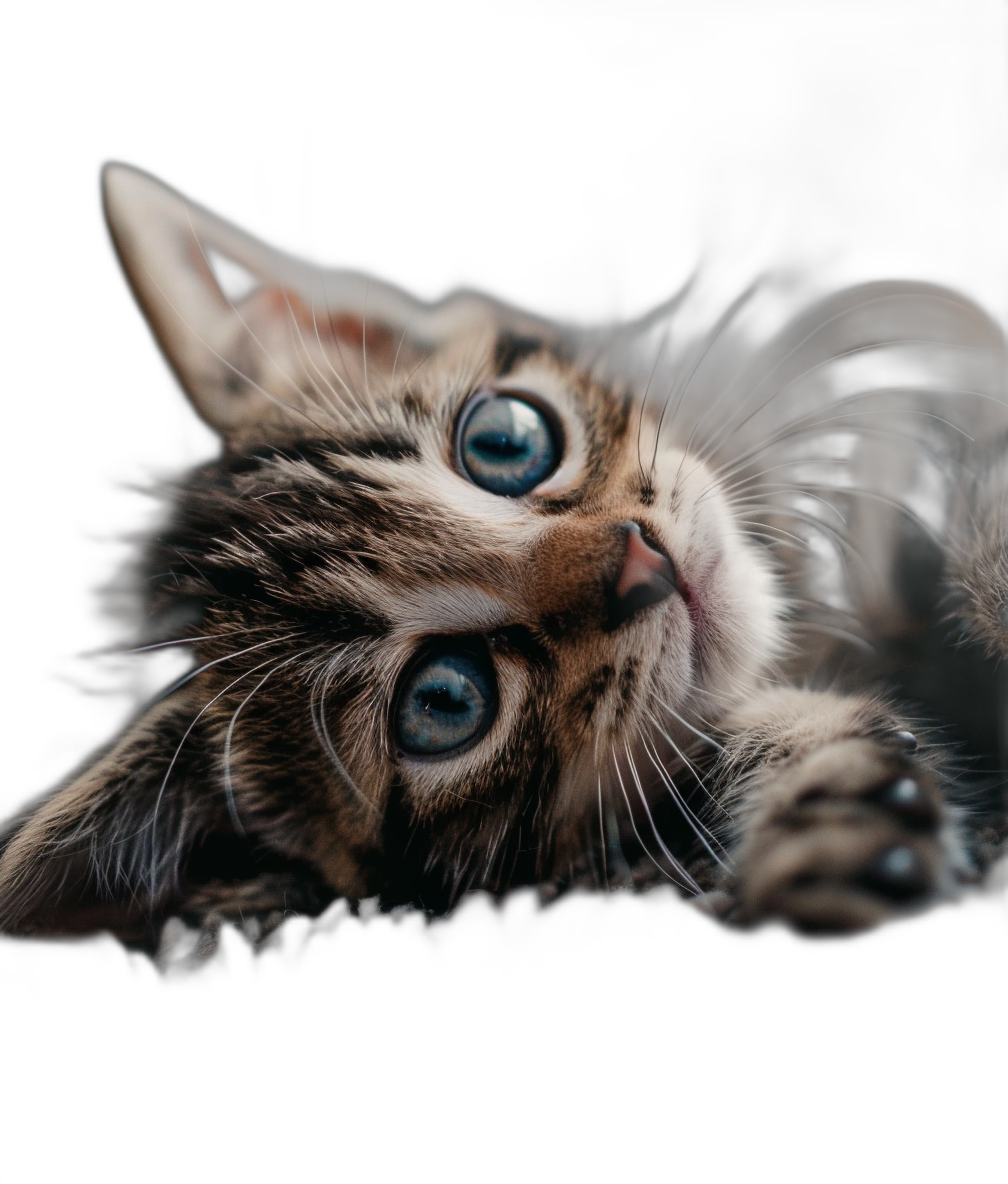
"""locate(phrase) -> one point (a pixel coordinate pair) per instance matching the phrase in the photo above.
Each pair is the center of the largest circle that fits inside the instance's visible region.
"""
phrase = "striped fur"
(746, 738)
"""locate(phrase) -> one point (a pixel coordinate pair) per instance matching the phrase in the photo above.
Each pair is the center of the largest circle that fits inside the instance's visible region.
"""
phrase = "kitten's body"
(702, 636)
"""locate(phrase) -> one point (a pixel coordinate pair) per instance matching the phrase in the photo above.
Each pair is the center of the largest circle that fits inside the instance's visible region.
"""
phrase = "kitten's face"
(503, 591)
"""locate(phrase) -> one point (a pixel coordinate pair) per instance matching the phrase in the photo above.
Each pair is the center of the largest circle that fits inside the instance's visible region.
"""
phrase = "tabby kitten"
(478, 600)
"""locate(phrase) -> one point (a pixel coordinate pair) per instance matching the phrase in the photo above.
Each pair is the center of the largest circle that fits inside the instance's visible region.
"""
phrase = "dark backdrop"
(573, 159)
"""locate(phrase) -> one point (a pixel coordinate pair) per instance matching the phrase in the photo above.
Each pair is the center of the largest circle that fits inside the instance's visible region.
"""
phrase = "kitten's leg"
(840, 819)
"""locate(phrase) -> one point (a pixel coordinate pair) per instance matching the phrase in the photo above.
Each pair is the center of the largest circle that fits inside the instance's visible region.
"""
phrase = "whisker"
(152, 823)
(834, 631)
(781, 537)
(819, 327)
(306, 355)
(798, 603)
(160, 645)
(643, 402)
(937, 459)
(818, 524)
(687, 762)
(693, 821)
(283, 405)
(228, 783)
(226, 658)
(720, 326)
(353, 400)
(704, 736)
(321, 726)
(884, 499)
(602, 835)
(726, 488)
(689, 881)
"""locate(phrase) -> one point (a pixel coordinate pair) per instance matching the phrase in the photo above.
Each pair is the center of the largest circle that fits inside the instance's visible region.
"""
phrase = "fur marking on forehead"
(446, 607)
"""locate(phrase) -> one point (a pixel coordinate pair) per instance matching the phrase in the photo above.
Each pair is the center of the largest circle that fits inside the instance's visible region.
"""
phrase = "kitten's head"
(448, 589)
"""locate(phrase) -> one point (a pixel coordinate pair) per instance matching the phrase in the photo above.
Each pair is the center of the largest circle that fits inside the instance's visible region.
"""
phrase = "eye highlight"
(506, 444)
(448, 700)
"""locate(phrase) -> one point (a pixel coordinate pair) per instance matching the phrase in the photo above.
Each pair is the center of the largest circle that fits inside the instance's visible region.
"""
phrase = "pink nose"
(647, 573)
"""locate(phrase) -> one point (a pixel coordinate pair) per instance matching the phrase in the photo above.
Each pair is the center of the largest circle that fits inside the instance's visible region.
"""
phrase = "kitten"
(478, 600)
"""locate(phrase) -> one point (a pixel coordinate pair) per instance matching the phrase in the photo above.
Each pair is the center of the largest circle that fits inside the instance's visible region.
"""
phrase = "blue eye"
(448, 699)
(506, 445)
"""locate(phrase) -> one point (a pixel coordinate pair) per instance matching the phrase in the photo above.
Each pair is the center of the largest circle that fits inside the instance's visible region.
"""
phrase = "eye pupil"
(497, 445)
(506, 445)
(442, 700)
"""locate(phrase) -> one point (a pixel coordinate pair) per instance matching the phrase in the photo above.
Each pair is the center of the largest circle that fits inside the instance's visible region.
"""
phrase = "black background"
(578, 160)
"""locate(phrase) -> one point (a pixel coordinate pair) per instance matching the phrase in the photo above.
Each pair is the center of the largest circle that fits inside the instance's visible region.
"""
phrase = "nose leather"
(647, 574)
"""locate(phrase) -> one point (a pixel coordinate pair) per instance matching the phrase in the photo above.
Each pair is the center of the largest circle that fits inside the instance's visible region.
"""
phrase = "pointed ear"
(103, 851)
(225, 308)
(252, 332)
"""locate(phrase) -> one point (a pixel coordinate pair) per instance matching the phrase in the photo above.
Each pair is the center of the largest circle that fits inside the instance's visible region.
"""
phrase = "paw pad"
(907, 798)
(899, 874)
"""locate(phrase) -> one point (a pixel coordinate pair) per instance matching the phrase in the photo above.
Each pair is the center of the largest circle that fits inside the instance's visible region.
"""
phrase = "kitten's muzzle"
(595, 573)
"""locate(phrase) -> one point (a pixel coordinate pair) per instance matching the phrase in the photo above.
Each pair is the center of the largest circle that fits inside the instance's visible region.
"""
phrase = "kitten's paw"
(842, 838)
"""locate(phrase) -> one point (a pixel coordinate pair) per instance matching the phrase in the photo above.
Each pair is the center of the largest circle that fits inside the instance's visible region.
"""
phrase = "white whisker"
(693, 821)
(644, 847)
(228, 783)
(225, 658)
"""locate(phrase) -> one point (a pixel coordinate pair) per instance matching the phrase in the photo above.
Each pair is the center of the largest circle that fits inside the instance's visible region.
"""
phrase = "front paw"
(841, 838)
